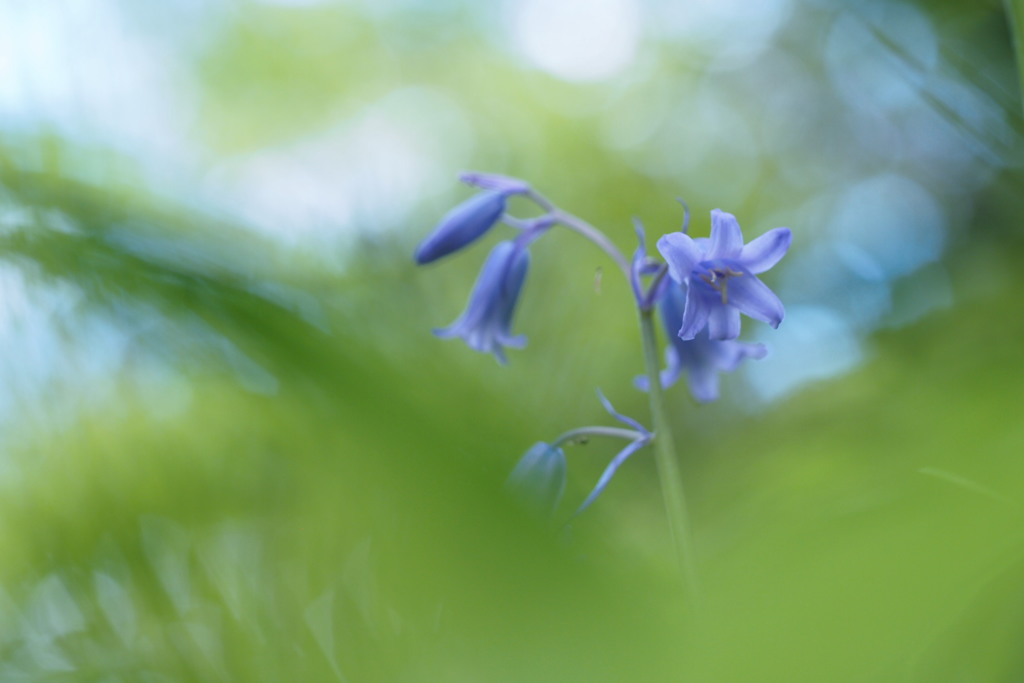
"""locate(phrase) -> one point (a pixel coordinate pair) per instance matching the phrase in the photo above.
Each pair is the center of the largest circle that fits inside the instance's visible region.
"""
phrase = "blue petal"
(485, 323)
(728, 355)
(726, 238)
(668, 376)
(686, 215)
(695, 315)
(619, 416)
(703, 383)
(517, 341)
(673, 368)
(484, 294)
(517, 262)
(681, 253)
(753, 297)
(461, 226)
(765, 251)
(671, 306)
(606, 476)
(493, 181)
(723, 323)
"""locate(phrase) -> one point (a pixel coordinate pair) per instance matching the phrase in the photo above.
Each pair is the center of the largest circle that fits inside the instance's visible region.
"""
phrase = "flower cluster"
(700, 291)
(486, 323)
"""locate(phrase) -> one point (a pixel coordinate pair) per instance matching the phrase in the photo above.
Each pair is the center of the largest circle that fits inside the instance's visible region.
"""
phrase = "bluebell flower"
(538, 479)
(700, 358)
(462, 226)
(485, 323)
(720, 275)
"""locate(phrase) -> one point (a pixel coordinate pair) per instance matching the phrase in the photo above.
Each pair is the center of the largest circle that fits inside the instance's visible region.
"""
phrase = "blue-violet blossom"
(720, 275)
(485, 323)
(462, 226)
(700, 358)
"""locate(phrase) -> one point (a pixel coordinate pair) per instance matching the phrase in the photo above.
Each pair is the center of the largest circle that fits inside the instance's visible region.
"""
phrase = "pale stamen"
(718, 279)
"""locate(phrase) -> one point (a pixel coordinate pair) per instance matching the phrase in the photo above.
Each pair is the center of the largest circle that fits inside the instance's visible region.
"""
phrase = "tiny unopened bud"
(538, 479)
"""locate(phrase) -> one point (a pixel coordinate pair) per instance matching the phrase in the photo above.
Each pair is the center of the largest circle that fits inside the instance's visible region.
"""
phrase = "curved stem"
(541, 201)
(591, 233)
(651, 296)
(669, 473)
(582, 228)
(615, 432)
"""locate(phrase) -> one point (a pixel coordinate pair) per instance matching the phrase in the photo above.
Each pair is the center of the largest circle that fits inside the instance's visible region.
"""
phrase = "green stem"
(1015, 20)
(614, 432)
(668, 465)
(588, 231)
(581, 227)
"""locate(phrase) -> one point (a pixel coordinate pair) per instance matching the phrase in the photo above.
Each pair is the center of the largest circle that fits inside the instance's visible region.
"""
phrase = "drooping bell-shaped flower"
(538, 479)
(486, 322)
(462, 225)
(720, 275)
(700, 358)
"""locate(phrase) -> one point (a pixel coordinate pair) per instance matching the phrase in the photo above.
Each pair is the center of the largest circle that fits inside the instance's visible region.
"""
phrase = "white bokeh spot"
(578, 40)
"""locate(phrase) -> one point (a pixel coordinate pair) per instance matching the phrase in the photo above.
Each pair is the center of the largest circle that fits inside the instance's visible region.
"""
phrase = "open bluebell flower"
(538, 479)
(720, 275)
(462, 226)
(700, 358)
(485, 324)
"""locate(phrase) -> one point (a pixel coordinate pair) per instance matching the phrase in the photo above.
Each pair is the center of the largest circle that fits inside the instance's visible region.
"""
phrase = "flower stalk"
(580, 434)
(669, 473)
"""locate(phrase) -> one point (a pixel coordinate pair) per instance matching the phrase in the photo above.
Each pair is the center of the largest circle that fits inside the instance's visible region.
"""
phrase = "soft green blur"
(231, 449)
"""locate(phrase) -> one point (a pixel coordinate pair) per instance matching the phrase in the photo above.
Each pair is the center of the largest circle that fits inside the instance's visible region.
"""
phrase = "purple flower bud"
(538, 479)
(485, 323)
(461, 226)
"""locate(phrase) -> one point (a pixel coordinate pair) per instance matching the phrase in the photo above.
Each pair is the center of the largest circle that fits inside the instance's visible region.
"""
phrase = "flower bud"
(461, 226)
(538, 479)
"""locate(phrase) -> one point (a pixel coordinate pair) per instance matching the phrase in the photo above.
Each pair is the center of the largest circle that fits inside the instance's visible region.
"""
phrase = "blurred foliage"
(227, 459)
(350, 525)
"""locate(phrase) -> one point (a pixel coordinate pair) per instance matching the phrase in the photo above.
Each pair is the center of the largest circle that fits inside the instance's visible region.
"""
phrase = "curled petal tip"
(619, 416)
(494, 181)
(686, 215)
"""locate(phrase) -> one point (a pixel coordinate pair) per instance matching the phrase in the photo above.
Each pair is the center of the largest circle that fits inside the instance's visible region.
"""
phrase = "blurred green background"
(231, 449)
